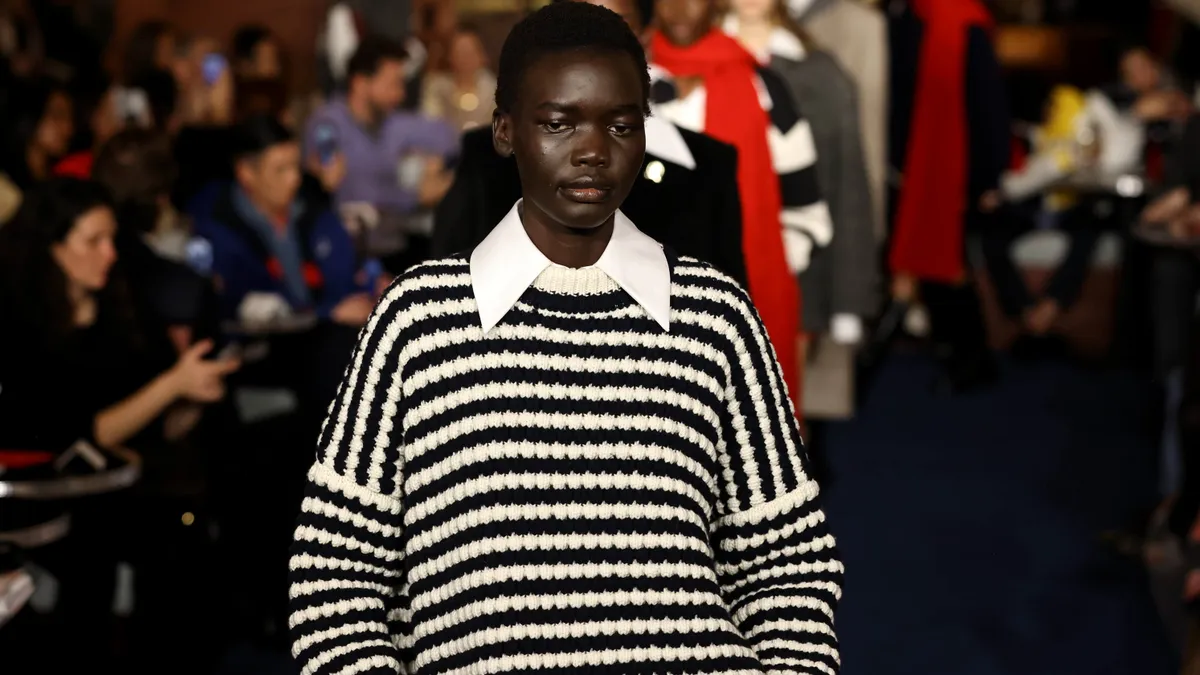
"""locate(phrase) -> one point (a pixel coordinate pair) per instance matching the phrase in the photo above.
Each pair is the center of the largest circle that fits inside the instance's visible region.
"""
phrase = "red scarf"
(734, 115)
(927, 239)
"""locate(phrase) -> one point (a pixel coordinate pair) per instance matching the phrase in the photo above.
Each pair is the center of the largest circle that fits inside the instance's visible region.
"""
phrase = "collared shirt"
(284, 247)
(507, 262)
(375, 157)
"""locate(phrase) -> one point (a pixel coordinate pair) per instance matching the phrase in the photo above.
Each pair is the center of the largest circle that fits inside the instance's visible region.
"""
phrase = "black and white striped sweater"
(577, 490)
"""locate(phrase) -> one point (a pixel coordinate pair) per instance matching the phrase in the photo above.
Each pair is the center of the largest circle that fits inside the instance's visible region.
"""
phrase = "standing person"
(572, 449)
(708, 82)
(686, 197)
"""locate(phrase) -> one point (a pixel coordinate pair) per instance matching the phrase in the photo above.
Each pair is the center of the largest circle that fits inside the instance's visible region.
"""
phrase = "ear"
(243, 171)
(502, 133)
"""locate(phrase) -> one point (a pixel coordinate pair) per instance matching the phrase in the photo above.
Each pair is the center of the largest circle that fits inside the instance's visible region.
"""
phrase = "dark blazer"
(697, 211)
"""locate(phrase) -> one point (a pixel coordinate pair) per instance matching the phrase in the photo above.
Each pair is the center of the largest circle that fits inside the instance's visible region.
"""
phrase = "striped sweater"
(577, 490)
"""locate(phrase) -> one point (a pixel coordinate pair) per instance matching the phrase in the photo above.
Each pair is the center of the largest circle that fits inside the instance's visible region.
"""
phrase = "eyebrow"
(551, 106)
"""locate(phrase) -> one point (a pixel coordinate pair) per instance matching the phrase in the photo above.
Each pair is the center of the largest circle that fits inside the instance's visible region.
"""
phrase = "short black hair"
(247, 39)
(256, 135)
(565, 25)
(371, 54)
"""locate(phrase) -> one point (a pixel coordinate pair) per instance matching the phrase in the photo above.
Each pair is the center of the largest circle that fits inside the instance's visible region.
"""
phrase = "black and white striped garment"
(807, 224)
(576, 490)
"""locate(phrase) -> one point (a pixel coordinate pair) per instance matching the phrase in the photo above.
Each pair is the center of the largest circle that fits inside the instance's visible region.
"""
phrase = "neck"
(280, 219)
(755, 33)
(360, 109)
(466, 81)
(83, 304)
(569, 248)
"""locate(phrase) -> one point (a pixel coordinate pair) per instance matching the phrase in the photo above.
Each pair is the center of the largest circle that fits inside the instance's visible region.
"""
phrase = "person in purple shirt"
(393, 160)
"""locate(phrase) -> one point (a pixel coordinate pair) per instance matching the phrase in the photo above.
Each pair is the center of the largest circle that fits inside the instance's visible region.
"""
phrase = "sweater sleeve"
(347, 612)
(776, 559)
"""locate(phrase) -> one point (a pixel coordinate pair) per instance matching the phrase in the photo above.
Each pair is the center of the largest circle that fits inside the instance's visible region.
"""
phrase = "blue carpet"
(969, 526)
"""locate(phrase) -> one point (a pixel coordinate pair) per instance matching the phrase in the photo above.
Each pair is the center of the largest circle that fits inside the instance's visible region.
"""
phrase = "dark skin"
(577, 131)
(684, 22)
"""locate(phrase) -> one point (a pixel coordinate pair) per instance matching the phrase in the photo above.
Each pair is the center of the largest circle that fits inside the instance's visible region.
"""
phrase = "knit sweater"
(576, 490)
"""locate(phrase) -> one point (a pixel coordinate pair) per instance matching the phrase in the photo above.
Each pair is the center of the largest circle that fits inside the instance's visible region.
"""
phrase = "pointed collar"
(664, 141)
(506, 263)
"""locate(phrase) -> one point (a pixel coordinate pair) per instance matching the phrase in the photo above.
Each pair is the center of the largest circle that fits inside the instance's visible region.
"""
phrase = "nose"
(591, 147)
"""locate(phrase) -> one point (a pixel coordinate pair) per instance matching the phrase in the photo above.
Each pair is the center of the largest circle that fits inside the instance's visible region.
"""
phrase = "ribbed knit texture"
(576, 491)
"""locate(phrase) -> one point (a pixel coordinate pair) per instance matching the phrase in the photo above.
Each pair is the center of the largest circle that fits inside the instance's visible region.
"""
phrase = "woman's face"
(106, 120)
(267, 64)
(577, 130)
(466, 54)
(87, 253)
(753, 10)
(54, 131)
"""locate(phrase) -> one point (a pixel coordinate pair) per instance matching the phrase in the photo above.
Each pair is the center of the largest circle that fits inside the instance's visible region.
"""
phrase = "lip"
(586, 191)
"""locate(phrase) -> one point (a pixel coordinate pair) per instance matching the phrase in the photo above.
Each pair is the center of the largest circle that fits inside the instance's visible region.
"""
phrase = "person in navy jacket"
(259, 235)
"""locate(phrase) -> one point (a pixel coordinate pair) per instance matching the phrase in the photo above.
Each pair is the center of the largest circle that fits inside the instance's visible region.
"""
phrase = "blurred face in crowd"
(54, 131)
(265, 64)
(755, 10)
(626, 8)
(1140, 71)
(383, 92)
(87, 253)
(577, 131)
(164, 51)
(466, 54)
(684, 22)
(272, 179)
(106, 120)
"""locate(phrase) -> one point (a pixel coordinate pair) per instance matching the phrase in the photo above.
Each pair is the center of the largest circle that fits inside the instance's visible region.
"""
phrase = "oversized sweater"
(576, 490)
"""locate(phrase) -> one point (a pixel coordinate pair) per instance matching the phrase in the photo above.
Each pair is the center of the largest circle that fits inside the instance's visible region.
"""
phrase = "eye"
(621, 129)
(555, 126)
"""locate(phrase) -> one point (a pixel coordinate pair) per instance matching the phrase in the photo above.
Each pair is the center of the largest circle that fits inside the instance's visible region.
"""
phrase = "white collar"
(664, 141)
(506, 263)
(782, 42)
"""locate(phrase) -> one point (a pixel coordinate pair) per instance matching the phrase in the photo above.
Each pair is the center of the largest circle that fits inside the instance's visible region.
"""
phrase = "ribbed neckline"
(575, 281)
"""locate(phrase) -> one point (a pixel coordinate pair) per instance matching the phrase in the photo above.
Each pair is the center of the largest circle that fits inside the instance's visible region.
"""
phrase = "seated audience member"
(1075, 138)
(256, 54)
(138, 170)
(150, 47)
(395, 160)
(99, 116)
(464, 94)
(266, 241)
(39, 124)
(81, 366)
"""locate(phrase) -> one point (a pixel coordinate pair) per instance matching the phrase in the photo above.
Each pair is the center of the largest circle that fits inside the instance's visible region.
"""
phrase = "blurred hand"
(219, 101)
(199, 380)
(990, 201)
(354, 310)
(1167, 207)
(1162, 105)
(331, 174)
(435, 182)
(904, 287)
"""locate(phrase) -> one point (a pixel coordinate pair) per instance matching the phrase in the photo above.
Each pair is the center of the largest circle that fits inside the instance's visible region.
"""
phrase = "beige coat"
(857, 35)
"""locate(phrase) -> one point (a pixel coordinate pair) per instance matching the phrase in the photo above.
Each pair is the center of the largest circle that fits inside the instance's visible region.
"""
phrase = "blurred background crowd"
(200, 203)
